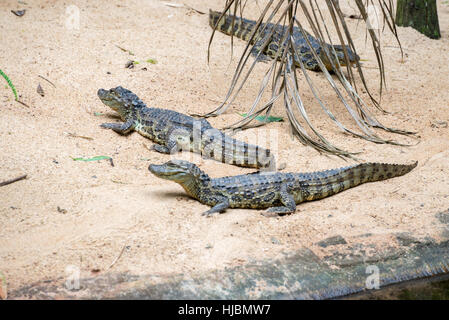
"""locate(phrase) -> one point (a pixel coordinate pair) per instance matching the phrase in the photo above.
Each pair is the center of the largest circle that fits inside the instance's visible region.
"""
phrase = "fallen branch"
(4, 183)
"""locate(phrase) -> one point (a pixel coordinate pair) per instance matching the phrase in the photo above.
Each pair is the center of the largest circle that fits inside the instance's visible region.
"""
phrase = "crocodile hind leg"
(263, 57)
(289, 204)
(260, 58)
(219, 207)
(169, 148)
(122, 128)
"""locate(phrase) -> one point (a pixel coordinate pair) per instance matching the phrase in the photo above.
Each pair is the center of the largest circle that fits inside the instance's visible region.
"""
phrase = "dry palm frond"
(282, 71)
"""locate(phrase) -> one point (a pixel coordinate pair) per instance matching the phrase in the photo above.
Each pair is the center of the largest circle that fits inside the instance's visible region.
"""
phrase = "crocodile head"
(179, 171)
(353, 58)
(187, 174)
(120, 100)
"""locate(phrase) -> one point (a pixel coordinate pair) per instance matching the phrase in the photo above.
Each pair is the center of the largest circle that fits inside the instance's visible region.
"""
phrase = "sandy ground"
(103, 209)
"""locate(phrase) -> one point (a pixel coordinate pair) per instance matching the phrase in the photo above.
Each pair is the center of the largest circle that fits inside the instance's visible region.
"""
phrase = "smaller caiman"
(173, 131)
(280, 192)
(244, 27)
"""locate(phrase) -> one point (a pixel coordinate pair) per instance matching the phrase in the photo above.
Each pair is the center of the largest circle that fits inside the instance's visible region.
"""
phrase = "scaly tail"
(242, 27)
(249, 155)
(322, 184)
(218, 146)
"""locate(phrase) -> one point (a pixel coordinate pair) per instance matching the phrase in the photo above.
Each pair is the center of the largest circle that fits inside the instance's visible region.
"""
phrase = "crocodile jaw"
(191, 184)
(161, 171)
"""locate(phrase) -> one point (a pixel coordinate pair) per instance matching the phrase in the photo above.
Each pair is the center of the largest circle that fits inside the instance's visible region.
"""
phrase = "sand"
(103, 209)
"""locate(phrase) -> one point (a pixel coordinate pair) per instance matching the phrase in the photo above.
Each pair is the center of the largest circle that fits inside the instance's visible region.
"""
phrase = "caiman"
(243, 29)
(280, 192)
(173, 131)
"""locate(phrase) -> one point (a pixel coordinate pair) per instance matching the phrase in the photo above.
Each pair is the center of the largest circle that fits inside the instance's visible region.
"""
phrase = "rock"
(331, 241)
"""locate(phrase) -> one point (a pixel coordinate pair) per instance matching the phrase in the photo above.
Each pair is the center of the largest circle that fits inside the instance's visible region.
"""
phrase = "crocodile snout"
(101, 93)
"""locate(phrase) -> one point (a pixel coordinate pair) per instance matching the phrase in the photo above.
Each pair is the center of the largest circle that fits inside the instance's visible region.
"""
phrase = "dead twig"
(78, 136)
(4, 183)
(119, 182)
(118, 257)
(125, 50)
(23, 103)
(47, 80)
(185, 6)
(190, 8)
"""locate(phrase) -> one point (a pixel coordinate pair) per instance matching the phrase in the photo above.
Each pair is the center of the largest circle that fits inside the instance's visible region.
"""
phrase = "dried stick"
(4, 183)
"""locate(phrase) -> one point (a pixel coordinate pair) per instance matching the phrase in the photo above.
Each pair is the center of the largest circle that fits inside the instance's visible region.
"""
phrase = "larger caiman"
(280, 192)
(173, 131)
(243, 29)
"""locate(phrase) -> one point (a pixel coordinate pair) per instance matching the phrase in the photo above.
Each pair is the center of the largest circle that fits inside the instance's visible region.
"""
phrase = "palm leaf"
(282, 71)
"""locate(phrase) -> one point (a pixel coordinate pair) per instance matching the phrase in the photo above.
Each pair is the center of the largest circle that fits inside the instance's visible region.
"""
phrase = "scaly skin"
(173, 131)
(244, 27)
(280, 192)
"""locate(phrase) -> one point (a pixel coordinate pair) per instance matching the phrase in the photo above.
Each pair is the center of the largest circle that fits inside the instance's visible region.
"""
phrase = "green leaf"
(9, 84)
(264, 118)
(98, 114)
(153, 61)
(92, 159)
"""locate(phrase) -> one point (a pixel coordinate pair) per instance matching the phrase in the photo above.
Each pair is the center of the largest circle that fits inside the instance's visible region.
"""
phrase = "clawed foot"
(120, 128)
(107, 125)
(160, 148)
(208, 213)
(269, 214)
(263, 58)
(277, 211)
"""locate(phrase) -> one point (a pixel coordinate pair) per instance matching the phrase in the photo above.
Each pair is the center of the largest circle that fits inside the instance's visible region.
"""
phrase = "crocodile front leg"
(177, 138)
(122, 128)
(222, 205)
(289, 204)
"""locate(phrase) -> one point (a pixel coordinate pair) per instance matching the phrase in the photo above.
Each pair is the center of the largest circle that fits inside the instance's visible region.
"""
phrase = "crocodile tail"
(322, 184)
(251, 156)
(242, 27)
(221, 147)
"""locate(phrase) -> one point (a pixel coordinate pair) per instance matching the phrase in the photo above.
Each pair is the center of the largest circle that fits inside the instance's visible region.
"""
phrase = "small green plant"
(152, 61)
(92, 159)
(9, 84)
(264, 118)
